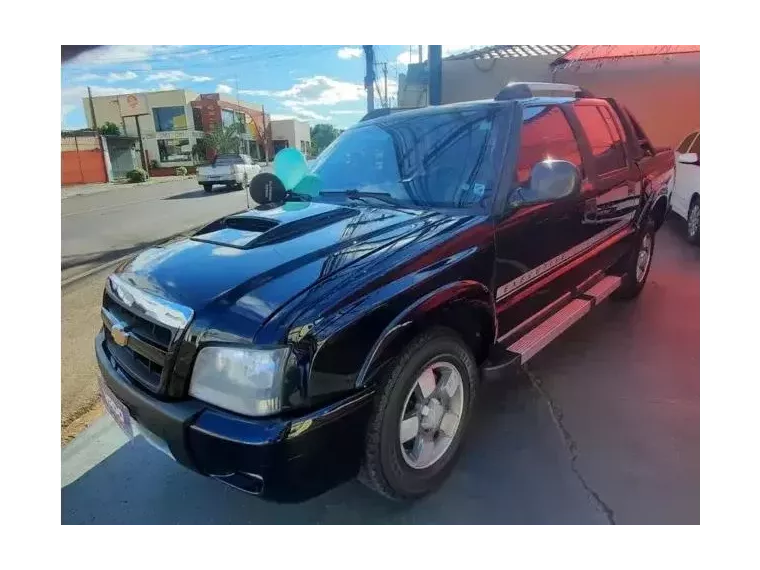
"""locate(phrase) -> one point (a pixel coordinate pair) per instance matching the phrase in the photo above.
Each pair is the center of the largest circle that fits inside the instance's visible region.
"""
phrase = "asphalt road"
(603, 427)
(100, 227)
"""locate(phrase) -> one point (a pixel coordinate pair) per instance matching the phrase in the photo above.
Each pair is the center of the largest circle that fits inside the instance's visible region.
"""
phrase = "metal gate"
(123, 155)
(82, 160)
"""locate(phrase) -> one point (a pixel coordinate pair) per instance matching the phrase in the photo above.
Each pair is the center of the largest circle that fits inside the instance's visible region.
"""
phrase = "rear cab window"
(604, 137)
(228, 159)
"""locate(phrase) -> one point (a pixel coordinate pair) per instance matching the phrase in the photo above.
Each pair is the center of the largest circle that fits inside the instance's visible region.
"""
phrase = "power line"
(176, 58)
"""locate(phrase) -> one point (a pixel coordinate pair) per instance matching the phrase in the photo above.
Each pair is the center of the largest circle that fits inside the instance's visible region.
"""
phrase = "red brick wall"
(211, 114)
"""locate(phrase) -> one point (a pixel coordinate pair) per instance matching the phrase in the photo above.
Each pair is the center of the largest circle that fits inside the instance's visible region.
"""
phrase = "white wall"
(474, 79)
(293, 131)
(661, 91)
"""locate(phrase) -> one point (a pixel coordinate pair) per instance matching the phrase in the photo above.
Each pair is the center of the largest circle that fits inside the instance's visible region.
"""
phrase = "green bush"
(154, 163)
(137, 175)
(180, 171)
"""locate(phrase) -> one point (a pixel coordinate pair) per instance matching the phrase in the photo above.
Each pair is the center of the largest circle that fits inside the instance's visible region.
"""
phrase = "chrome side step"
(604, 288)
(531, 343)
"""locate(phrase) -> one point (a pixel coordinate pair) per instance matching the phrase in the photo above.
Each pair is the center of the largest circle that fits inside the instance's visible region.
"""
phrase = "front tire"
(692, 222)
(420, 417)
(207, 187)
(637, 264)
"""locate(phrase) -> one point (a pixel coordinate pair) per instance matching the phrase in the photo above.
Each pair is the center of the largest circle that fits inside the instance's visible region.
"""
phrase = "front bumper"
(280, 459)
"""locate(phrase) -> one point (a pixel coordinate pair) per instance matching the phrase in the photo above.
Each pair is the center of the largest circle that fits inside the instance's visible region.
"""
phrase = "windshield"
(228, 159)
(437, 160)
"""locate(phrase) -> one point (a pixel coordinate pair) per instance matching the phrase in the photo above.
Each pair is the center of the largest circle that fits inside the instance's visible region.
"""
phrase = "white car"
(684, 195)
(231, 170)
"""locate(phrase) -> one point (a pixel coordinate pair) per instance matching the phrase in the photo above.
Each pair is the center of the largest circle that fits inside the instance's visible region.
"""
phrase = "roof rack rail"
(385, 111)
(526, 90)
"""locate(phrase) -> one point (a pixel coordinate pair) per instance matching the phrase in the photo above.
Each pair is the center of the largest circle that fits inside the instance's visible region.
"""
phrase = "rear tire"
(692, 222)
(207, 187)
(636, 265)
(434, 378)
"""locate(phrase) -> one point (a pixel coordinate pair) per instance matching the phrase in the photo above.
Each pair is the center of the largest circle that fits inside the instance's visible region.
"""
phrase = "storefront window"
(170, 118)
(178, 150)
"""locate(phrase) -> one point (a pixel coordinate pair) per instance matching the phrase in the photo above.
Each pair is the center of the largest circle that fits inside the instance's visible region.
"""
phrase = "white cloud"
(222, 88)
(166, 87)
(126, 76)
(317, 90)
(303, 113)
(86, 77)
(176, 75)
(350, 111)
(349, 52)
(195, 53)
(71, 97)
(405, 59)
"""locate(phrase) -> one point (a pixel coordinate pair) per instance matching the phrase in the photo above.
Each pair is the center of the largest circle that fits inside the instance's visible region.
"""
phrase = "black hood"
(253, 263)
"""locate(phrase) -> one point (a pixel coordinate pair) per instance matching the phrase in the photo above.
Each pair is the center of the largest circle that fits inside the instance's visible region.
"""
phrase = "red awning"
(580, 53)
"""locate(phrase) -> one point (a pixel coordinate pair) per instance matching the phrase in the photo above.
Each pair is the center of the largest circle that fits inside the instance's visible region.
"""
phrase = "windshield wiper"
(354, 194)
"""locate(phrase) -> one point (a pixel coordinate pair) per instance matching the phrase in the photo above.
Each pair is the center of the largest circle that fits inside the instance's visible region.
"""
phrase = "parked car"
(684, 196)
(290, 347)
(230, 170)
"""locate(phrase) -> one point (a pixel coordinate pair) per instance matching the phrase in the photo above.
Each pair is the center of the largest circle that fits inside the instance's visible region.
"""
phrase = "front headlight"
(243, 380)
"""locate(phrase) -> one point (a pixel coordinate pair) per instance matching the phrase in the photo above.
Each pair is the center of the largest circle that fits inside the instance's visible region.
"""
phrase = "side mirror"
(551, 180)
(688, 158)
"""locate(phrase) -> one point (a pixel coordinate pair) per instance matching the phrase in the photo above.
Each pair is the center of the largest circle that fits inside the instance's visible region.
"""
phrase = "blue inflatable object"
(290, 167)
(310, 185)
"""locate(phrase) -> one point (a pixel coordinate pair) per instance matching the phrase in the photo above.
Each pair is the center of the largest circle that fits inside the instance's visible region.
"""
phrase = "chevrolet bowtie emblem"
(120, 336)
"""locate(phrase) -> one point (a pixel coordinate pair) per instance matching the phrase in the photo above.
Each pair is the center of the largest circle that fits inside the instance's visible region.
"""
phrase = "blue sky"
(318, 84)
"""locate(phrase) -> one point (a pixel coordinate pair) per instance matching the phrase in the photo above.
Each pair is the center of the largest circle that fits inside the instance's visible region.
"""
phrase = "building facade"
(167, 130)
(213, 110)
(291, 133)
(479, 74)
(175, 120)
(658, 83)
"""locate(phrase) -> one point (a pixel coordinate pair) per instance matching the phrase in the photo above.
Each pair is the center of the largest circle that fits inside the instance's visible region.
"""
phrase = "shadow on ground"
(200, 194)
(514, 469)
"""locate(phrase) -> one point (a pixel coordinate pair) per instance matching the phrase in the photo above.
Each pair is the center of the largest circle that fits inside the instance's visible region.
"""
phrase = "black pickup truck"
(290, 347)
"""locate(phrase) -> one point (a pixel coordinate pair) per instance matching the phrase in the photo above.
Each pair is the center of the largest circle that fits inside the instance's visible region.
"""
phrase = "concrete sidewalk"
(86, 189)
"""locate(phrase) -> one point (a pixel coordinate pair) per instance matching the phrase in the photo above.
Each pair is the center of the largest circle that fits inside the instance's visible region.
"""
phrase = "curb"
(108, 186)
(98, 268)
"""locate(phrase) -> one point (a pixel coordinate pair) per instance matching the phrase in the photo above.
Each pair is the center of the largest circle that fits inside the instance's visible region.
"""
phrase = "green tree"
(109, 128)
(200, 150)
(224, 140)
(321, 136)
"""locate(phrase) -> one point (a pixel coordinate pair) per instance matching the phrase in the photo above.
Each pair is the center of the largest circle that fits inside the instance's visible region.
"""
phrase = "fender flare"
(451, 292)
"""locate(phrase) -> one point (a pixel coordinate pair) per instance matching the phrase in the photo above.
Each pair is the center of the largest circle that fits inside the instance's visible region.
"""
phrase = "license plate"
(117, 410)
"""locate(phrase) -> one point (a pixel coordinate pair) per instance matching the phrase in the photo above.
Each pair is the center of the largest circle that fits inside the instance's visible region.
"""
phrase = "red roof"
(579, 53)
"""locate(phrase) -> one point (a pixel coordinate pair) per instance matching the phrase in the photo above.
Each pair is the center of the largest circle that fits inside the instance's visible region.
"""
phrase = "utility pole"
(265, 135)
(369, 78)
(143, 158)
(385, 83)
(92, 109)
(419, 53)
(242, 142)
(436, 73)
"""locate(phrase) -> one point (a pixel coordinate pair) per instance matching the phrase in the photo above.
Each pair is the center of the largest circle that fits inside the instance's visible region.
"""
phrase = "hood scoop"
(257, 228)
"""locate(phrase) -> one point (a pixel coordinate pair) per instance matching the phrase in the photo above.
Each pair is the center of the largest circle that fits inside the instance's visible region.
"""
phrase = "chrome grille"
(137, 342)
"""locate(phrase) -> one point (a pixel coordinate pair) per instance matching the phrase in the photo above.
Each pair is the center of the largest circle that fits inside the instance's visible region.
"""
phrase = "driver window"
(545, 133)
